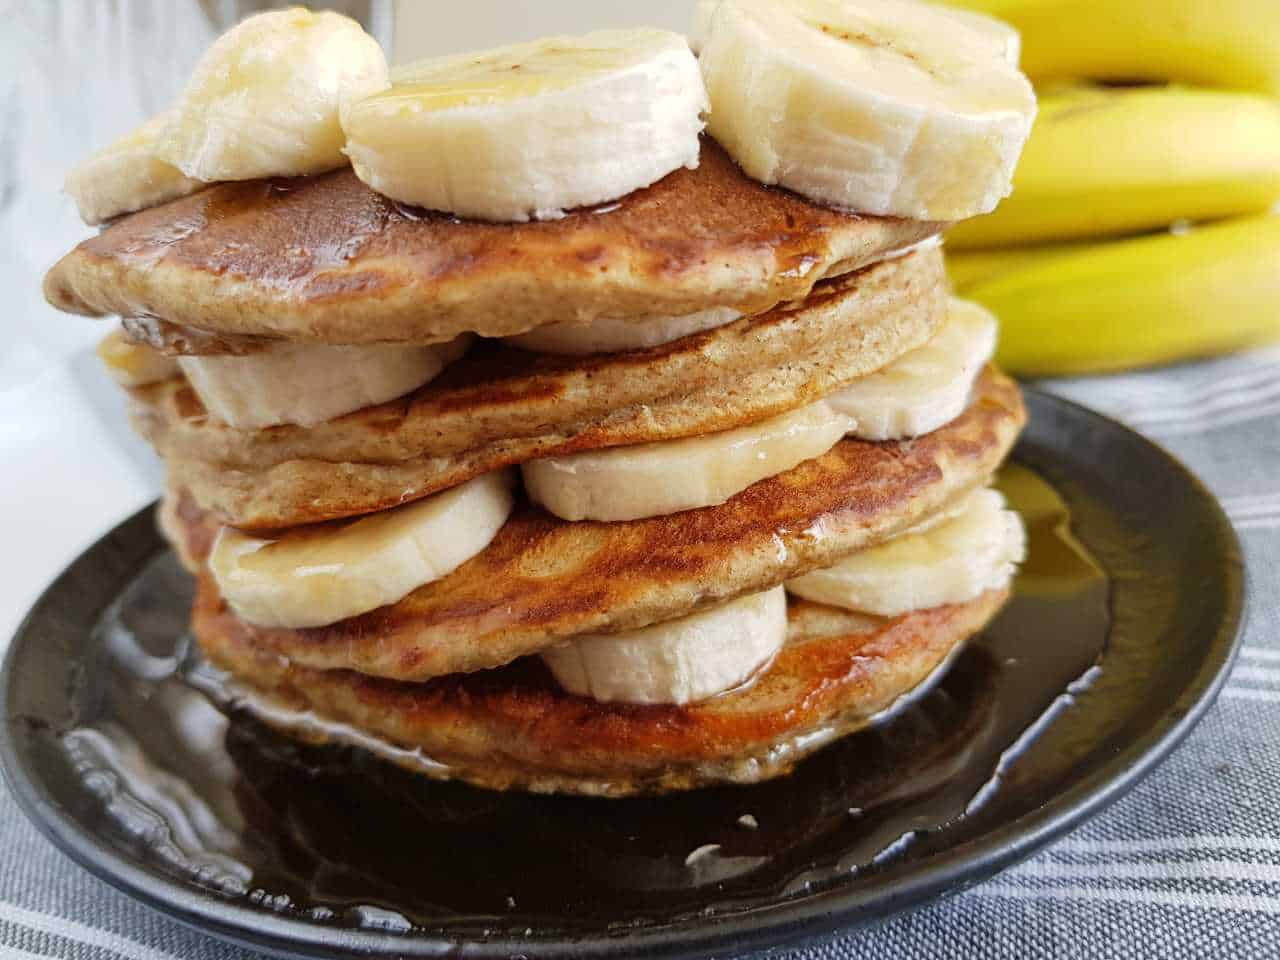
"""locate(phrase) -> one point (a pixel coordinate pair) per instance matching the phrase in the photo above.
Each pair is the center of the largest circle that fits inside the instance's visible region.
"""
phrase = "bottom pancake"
(514, 728)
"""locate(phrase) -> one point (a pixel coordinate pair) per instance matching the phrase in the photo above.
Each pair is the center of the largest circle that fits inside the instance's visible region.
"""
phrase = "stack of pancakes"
(448, 678)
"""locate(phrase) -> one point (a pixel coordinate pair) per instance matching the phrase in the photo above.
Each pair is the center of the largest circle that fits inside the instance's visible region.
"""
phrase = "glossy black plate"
(1121, 633)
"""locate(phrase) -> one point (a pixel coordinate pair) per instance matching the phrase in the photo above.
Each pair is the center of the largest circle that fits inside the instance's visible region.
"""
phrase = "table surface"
(1188, 865)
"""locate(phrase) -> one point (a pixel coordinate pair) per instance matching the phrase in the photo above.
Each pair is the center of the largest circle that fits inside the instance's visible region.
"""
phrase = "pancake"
(514, 727)
(543, 580)
(326, 260)
(500, 405)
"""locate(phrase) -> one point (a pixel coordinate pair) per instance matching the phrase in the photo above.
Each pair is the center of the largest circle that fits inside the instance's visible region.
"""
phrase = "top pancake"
(326, 260)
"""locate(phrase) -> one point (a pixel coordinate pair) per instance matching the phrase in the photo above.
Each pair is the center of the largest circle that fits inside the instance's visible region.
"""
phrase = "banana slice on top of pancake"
(952, 562)
(680, 661)
(128, 175)
(655, 479)
(926, 388)
(265, 99)
(313, 576)
(891, 107)
(916, 394)
(529, 130)
(308, 384)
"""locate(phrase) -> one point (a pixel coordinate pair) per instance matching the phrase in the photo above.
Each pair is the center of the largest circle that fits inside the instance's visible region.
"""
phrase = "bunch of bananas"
(1141, 228)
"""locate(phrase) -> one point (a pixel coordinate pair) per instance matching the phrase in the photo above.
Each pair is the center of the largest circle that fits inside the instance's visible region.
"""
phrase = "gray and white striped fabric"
(1188, 865)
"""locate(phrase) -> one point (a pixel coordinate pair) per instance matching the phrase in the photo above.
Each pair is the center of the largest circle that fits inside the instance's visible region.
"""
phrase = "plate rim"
(791, 922)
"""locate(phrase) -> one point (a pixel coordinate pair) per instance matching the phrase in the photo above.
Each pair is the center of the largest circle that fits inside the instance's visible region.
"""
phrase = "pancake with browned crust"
(543, 580)
(325, 259)
(515, 728)
(501, 406)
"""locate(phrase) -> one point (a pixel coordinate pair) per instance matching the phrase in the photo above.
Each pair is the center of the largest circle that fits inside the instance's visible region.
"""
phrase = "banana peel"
(1105, 161)
(1102, 307)
(1233, 44)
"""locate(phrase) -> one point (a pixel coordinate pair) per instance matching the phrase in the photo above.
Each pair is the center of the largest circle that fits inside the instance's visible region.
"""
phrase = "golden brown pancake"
(327, 260)
(543, 580)
(514, 727)
(501, 406)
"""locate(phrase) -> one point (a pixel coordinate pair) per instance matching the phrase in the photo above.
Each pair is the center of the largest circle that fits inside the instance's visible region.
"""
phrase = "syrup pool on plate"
(184, 778)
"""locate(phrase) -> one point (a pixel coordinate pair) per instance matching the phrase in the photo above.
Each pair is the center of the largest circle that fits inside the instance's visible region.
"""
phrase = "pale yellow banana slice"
(891, 107)
(134, 364)
(926, 388)
(532, 129)
(127, 175)
(1005, 40)
(308, 384)
(654, 479)
(617, 336)
(310, 577)
(953, 562)
(265, 99)
(679, 661)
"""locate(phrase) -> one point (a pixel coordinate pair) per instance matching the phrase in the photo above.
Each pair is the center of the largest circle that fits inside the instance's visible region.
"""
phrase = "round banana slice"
(308, 384)
(532, 129)
(926, 388)
(1006, 40)
(134, 364)
(618, 336)
(127, 175)
(318, 575)
(264, 100)
(953, 562)
(679, 661)
(655, 479)
(891, 107)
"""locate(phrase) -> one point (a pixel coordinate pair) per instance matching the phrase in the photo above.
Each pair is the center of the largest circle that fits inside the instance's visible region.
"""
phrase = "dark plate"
(326, 852)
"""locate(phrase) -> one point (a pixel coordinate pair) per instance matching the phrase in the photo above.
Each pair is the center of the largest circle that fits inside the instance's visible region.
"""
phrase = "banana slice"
(534, 128)
(1005, 40)
(134, 364)
(680, 661)
(313, 576)
(308, 384)
(654, 479)
(264, 100)
(127, 175)
(617, 336)
(953, 562)
(926, 388)
(890, 107)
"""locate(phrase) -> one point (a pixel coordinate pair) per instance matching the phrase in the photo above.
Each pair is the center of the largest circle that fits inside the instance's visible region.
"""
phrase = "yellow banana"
(1103, 162)
(1092, 308)
(1215, 43)
(969, 268)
